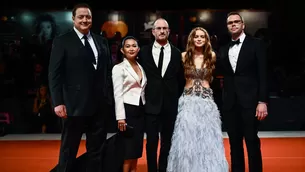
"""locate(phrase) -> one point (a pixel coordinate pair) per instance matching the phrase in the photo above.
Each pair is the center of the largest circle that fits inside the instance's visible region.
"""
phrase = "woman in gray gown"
(197, 142)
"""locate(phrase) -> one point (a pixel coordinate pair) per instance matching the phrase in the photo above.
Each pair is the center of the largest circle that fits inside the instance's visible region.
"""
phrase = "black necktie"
(232, 43)
(89, 50)
(160, 63)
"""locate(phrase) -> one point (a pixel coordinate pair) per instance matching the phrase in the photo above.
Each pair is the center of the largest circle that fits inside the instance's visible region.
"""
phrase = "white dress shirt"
(234, 51)
(167, 55)
(127, 87)
(91, 42)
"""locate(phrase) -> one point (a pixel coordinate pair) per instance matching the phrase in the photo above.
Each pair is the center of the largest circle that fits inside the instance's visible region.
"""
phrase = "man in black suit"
(80, 85)
(162, 63)
(245, 93)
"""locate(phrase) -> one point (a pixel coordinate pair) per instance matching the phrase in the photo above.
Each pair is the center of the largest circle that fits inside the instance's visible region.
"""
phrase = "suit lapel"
(76, 40)
(242, 54)
(99, 50)
(78, 46)
(143, 76)
(150, 59)
(131, 71)
(227, 63)
(170, 64)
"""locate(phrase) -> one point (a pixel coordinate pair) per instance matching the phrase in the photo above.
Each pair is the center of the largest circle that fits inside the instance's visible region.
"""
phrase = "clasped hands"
(122, 125)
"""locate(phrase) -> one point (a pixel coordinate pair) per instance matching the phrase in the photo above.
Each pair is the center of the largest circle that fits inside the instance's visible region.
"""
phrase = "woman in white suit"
(129, 81)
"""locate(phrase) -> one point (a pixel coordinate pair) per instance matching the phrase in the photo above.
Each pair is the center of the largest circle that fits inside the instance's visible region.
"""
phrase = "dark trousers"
(73, 128)
(163, 123)
(242, 123)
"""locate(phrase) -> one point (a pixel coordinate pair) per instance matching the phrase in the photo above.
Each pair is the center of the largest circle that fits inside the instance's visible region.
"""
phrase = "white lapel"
(144, 79)
(131, 71)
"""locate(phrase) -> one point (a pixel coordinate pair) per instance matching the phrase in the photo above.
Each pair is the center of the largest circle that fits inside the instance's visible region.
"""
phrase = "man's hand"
(61, 111)
(261, 111)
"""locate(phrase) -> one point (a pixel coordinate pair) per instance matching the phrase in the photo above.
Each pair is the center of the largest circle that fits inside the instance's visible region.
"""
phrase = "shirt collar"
(80, 35)
(157, 45)
(241, 37)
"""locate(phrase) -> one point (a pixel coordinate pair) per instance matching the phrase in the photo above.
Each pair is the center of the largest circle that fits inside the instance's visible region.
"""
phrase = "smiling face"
(82, 20)
(130, 49)
(199, 38)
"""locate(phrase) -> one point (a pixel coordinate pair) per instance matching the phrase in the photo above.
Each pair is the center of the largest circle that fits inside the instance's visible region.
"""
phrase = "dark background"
(279, 23)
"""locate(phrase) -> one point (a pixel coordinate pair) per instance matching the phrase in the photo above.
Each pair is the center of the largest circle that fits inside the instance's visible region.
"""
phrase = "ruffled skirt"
(197, 141)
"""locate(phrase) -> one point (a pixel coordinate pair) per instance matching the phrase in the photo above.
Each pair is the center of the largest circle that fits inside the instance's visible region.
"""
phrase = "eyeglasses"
(159, 28)
(235, 22)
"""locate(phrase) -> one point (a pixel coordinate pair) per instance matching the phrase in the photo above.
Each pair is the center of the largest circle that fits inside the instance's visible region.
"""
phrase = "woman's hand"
(122, 125)
(35, 108)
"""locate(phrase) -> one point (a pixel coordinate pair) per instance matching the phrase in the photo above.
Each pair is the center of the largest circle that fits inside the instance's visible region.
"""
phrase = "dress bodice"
(197, 76)
(196, 73)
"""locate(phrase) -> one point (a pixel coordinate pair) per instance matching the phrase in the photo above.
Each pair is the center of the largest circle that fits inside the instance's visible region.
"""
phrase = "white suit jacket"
(127, 87)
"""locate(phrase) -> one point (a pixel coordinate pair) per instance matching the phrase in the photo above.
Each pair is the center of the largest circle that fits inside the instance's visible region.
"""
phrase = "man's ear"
(153, 32)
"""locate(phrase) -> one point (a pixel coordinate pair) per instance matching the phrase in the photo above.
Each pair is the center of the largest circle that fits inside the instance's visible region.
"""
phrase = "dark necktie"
(232, 43)
(89, 50)
(160, 63)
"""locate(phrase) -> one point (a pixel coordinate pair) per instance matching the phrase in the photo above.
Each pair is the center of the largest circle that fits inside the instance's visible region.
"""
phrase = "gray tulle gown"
(197, 141)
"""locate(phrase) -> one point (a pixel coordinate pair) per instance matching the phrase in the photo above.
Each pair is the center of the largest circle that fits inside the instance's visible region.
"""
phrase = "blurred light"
(254, 20)
(153, 17)
(193, 19)
(27, 17)
(205, 16)
(244, 10)
(114, 16)
(247, 15)
(68, 17)
(253, 16)
(3, 18)
(111, 27)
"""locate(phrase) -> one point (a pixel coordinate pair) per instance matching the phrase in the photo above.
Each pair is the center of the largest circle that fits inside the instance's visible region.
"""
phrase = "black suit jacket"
(248, 85)
(73, 80)
(162, 91)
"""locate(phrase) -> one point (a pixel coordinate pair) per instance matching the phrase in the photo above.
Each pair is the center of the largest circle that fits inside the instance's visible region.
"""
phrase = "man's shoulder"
(252, 38)
(255, 41)
(145, 50)
(174, 48)
(146, 47)
(223, 47)
(100, 37)
(66, 34)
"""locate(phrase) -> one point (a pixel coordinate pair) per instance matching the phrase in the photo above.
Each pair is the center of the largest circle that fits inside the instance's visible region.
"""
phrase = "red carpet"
(279, 155)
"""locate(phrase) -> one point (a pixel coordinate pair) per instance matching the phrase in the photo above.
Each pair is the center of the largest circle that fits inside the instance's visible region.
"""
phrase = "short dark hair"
(129, 37)
(77, 6)
(235, 13)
